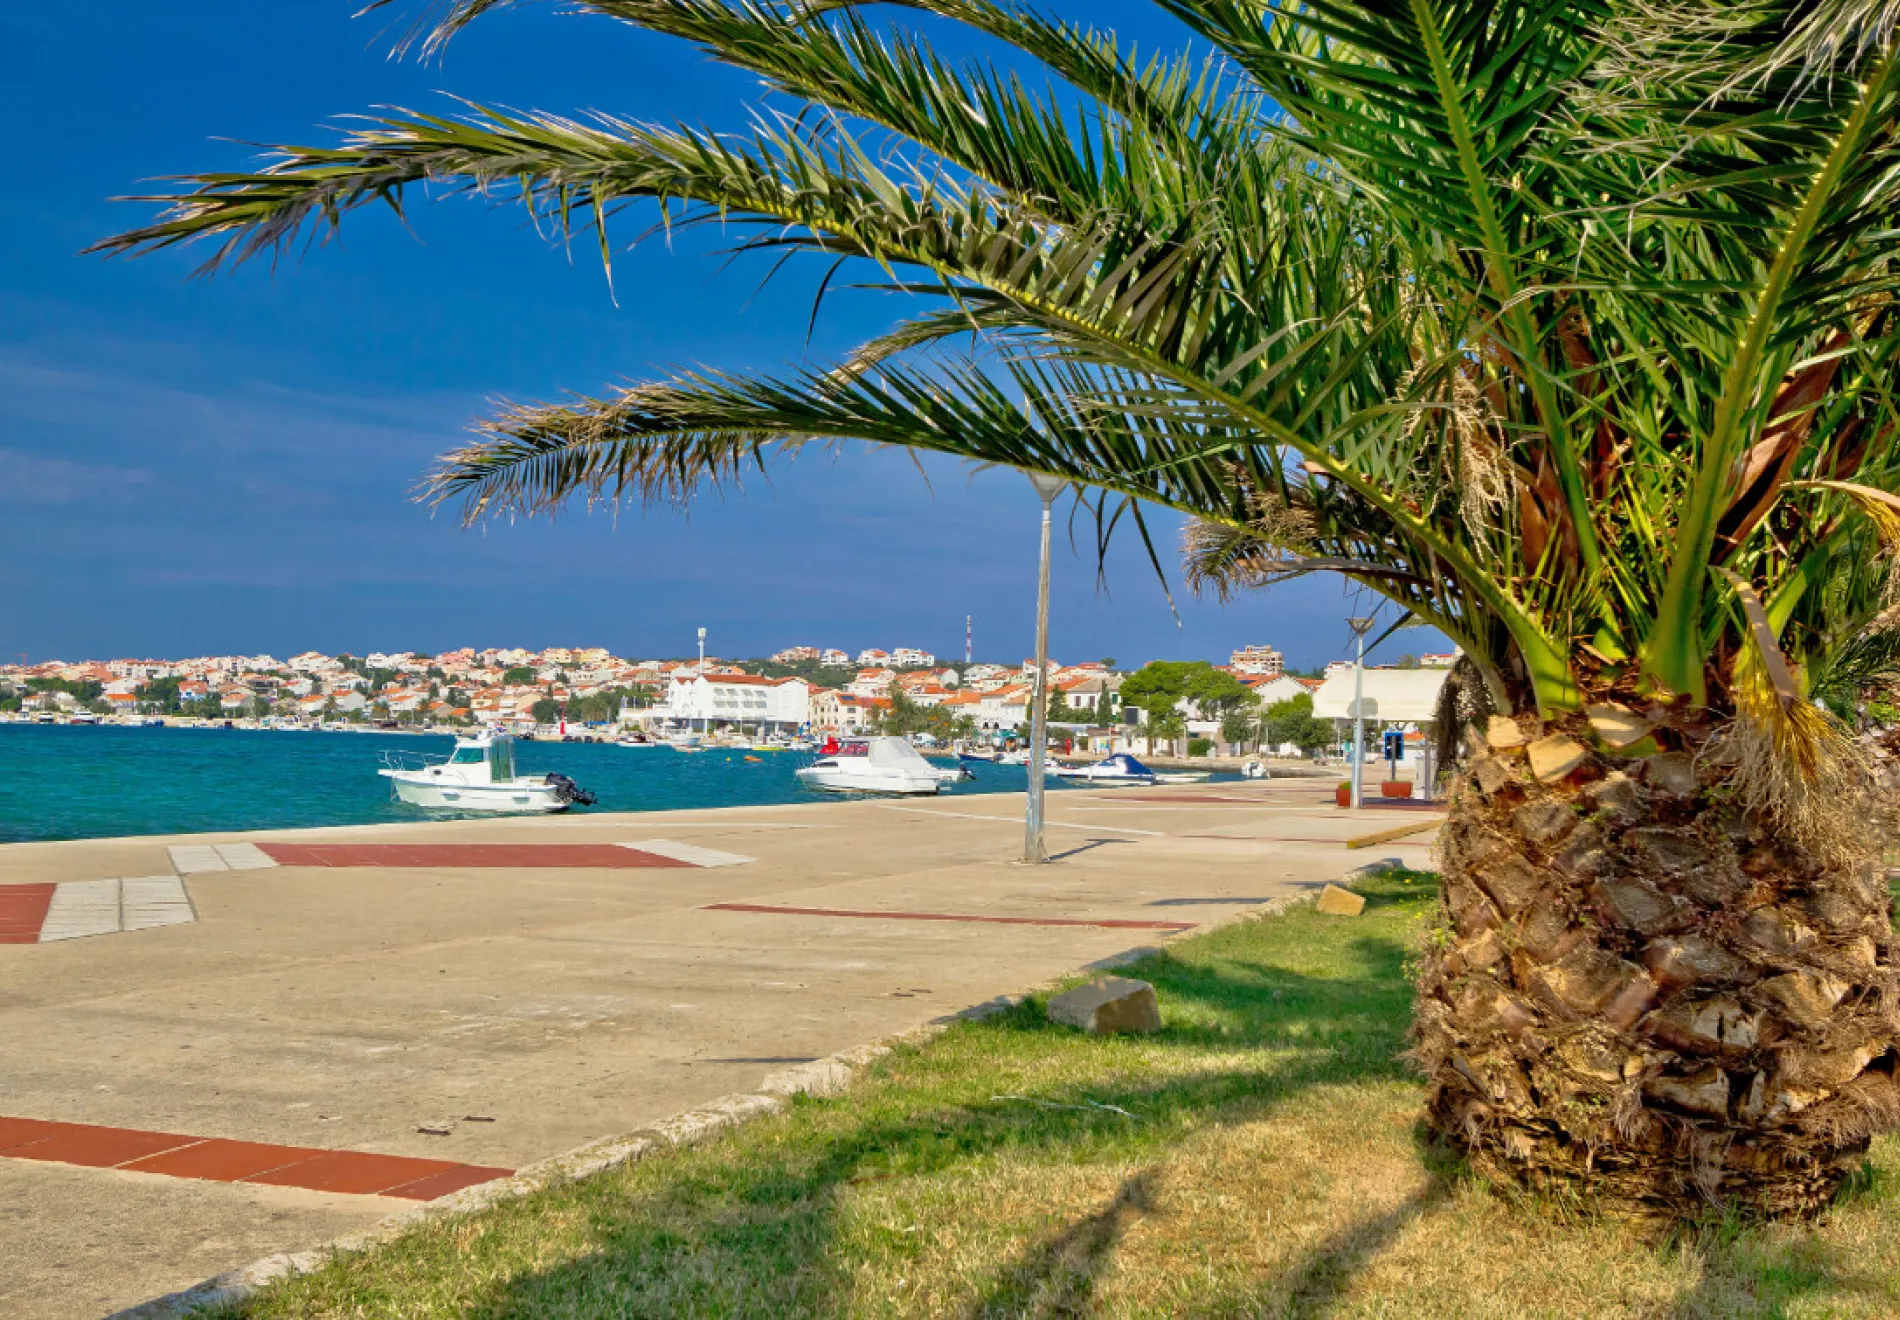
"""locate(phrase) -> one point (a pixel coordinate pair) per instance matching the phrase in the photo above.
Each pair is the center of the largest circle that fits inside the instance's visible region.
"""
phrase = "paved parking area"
(373, 1015)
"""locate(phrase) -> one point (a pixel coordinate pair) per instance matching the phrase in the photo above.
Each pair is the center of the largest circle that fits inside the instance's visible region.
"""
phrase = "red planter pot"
(1396, 788)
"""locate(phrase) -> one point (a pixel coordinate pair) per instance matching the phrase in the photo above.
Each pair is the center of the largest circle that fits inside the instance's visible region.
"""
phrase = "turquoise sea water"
(81, 782)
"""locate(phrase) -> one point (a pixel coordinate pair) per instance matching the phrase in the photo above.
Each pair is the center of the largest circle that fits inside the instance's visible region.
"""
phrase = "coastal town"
(801, 688)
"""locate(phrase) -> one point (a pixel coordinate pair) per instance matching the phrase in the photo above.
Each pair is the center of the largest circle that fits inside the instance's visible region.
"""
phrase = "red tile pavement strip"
(464, 855)
(215, 1159)
(949, 916)
(23, 911)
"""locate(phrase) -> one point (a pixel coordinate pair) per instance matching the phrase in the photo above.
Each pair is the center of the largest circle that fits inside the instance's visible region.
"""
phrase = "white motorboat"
(874, 765)
(1183, 776)
(479, 775)
(685, 741)
(1118, 769)
(1018, 757)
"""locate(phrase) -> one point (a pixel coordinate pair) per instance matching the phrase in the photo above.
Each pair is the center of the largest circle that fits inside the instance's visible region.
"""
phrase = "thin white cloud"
(27, 478)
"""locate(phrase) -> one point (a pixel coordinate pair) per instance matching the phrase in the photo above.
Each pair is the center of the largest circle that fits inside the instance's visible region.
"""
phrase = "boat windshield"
(467, 756)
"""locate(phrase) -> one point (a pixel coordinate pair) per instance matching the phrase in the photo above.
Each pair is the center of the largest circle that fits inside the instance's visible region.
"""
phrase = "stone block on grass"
(1108, 1005)
(1337, 902)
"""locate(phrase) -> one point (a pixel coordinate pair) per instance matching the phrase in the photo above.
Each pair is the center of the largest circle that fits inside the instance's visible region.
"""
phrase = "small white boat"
(874, 765)
(1183, 776)
(637, 740)
(479, 775)
(686, 741)
(1018, 757)
(1118, 769)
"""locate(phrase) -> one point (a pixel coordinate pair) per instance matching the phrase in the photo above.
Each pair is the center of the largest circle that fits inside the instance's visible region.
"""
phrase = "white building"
(871, 682)
(832, 657)
(906, 657)
(1257, 661)
(735, 699)
(1280, 688)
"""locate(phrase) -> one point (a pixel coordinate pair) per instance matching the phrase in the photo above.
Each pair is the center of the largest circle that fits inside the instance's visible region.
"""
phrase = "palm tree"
(1567, 327)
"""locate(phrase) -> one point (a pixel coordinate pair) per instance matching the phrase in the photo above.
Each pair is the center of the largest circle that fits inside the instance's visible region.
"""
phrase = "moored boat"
(874, 765)
(479, 775)
(1119, 769)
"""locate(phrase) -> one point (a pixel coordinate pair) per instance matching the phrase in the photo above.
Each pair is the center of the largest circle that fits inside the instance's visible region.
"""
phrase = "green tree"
(1215, 692)
(1169, 727)
(1292, 721)
(1567, 328)
(1159, 686)
(1238, 727)
(1059, 711)
(519, 676)
(161, 694)
(546, 711)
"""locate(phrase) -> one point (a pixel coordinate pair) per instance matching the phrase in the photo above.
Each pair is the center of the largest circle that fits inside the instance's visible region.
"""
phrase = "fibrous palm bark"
(1641, 991)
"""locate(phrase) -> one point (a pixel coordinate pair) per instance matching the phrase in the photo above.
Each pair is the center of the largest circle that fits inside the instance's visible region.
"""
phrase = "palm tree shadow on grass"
(1744, 1273)
(750, 1230)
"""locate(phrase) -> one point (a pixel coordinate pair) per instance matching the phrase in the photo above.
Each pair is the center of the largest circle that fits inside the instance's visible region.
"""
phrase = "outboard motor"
(569, 791)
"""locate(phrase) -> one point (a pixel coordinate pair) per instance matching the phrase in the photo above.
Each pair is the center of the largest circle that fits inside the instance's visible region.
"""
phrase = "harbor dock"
(227, 1046)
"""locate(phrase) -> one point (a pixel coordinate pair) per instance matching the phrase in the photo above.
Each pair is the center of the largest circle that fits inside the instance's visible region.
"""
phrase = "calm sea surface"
(80, 782)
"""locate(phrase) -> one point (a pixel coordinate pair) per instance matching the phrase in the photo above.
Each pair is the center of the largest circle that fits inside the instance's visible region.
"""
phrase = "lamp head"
(1360, 624)
(1047, 487)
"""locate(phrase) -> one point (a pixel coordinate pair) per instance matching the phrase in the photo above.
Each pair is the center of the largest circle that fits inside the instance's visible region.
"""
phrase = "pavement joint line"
(826, 1076)
(1017, 820)
(1103, 922)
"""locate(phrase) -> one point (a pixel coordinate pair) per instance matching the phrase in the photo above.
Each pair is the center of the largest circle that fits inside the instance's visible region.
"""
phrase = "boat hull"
(444, 795)
(1105, 781)
(830, 781)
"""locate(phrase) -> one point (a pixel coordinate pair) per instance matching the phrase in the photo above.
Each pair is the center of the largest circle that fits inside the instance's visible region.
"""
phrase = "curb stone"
(823, 1077)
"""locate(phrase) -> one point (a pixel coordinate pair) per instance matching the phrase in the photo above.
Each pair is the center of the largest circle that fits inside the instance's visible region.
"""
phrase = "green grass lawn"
(1262, 1155)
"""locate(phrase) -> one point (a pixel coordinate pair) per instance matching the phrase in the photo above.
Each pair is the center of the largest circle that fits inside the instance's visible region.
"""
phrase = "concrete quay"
(348, 1021)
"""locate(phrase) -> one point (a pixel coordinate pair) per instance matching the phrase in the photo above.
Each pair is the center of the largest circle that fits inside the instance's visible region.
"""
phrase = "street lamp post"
(1034, 850)
(1360, 626)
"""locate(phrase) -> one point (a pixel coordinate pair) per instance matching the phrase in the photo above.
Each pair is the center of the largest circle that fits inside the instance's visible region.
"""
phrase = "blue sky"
(225, 464)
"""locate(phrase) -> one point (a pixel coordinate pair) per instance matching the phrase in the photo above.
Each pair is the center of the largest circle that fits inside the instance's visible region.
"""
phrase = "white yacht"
(1118, 769)
(479, 775)
(874, 765)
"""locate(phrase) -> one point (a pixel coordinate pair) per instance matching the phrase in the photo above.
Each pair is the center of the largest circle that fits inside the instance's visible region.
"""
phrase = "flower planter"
(1396, 788)
(1343, 795)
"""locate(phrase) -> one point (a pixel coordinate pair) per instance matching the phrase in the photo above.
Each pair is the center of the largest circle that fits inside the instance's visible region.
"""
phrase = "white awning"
(1405, 695)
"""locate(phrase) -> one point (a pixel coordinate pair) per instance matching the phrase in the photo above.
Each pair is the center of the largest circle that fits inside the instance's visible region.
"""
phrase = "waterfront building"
(844, 713)
(735, 698)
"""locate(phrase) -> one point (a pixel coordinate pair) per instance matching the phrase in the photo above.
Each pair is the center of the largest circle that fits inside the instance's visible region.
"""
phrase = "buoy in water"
(756, 760)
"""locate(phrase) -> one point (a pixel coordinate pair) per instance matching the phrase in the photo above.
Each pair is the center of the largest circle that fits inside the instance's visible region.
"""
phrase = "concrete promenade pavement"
(347, 1007)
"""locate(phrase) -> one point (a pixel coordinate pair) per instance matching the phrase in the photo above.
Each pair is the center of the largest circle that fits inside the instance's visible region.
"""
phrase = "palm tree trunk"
(1646, 996)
